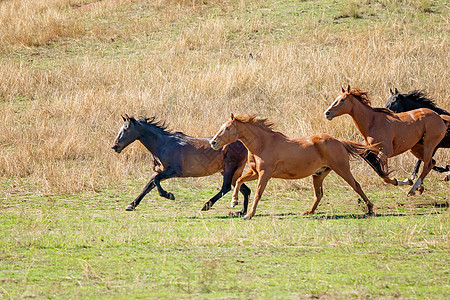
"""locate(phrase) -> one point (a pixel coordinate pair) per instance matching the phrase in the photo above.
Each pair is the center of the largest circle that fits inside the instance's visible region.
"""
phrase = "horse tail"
(446, 119)
(369, 153)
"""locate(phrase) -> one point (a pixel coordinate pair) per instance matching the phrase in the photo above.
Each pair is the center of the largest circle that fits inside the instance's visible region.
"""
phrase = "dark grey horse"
(398, 102)
(178, 155)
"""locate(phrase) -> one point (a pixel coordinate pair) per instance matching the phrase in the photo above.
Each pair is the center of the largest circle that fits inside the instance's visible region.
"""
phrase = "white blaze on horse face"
(215, 144)
(330, 112)
(120, 134)
(121, 140)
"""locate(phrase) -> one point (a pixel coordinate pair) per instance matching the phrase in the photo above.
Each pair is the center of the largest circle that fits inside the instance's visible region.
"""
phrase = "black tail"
(370, 154)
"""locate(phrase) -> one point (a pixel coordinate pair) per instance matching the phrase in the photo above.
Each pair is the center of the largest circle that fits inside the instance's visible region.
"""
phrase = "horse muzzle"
(329, 115)
(116, 148)
(214, 144)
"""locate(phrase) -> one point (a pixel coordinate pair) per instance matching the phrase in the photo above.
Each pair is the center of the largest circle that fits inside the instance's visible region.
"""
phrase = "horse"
(398, 102)
(175, 154)
(272, 154)
(419, 131)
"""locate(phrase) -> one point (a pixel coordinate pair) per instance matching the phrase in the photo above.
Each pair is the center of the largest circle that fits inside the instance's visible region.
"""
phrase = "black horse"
(178, 155)
(398, 102)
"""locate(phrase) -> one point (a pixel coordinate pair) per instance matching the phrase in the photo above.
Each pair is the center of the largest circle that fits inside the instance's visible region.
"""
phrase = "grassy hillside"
(70, 68)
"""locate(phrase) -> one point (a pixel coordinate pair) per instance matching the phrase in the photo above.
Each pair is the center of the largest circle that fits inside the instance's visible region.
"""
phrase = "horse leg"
(442, 169)
(226, 187)
(148, 187)
(384, 160)
(344, 172)
(166, 174)
(245, 191)
(262, 182)
(318, 190)
(426, 155)
(416, 169)
(447, 177)
(249, 176)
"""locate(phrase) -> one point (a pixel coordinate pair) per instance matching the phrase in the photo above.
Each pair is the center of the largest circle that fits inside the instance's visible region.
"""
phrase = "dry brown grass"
(189, 63)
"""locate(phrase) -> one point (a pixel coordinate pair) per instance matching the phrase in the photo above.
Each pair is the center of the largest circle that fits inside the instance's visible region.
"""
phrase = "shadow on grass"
(321, 216)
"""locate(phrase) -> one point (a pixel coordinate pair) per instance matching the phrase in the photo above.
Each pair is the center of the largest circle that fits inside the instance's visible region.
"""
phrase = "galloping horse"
(272, 154)
(419, 131)
(398, 102)
(180, 155)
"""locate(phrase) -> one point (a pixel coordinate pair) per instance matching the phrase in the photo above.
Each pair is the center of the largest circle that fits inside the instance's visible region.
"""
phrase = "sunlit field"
(70, 68)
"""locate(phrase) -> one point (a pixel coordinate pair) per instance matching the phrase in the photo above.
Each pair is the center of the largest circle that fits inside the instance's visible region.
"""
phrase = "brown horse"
(418, 131)
(272, 154)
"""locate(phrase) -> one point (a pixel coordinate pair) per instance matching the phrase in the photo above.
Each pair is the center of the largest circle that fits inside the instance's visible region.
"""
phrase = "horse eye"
(228, 128)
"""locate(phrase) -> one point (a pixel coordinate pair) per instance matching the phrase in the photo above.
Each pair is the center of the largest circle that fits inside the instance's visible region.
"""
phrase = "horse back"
(421, 117)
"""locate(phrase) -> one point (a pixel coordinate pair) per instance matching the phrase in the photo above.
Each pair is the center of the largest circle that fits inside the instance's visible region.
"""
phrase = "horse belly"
(297, 170)
(202, 163)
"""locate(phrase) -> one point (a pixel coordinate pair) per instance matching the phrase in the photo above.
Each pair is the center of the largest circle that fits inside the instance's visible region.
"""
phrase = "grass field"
(70, 68)
(86, 245)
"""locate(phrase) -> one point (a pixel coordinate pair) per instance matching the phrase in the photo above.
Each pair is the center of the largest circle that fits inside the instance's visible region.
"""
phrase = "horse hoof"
(170, 196)
(420, 190)
(233, 203)
(129, 208)
(411, 193)
(206, 207)
(447, 178)
(237, 213)
(247, 217)
(410, 182)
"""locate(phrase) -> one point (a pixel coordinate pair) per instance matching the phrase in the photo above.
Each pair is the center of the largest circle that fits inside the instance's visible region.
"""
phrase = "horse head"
(395, 101)
(341, 105)
(127, 134)
(227, 134)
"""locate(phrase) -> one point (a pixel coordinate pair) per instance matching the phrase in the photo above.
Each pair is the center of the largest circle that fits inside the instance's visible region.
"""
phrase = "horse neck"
(363, 116)
(153, 138)
(252, 136)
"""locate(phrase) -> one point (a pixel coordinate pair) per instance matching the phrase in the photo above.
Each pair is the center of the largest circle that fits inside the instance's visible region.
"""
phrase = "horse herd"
(409, 122)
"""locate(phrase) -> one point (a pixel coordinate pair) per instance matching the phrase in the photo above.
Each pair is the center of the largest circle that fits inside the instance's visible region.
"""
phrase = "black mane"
(412, 100)
(153, 121)
(420, 97)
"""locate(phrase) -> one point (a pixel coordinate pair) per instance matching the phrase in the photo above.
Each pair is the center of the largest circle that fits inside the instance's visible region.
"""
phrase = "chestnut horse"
(178, 155)
(272, 154)
(399, 102)
(418, 131)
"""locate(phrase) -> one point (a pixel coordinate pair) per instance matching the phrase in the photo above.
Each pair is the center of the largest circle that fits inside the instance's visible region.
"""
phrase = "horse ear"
(348, 88)
(390, 90)
(232, 116)
(342, 89)
(123, 118)
(396, 91)
(127, 117)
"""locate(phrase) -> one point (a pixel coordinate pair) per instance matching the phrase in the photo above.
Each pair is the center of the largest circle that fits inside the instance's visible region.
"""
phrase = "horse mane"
(364, 99)
(263, 123)
(153, 121)
(420, 97)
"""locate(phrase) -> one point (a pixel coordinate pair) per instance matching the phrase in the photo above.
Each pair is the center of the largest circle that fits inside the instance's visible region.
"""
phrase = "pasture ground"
(88, 246)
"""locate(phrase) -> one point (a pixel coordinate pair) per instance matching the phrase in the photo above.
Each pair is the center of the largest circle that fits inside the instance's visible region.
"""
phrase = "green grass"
(87, 246)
